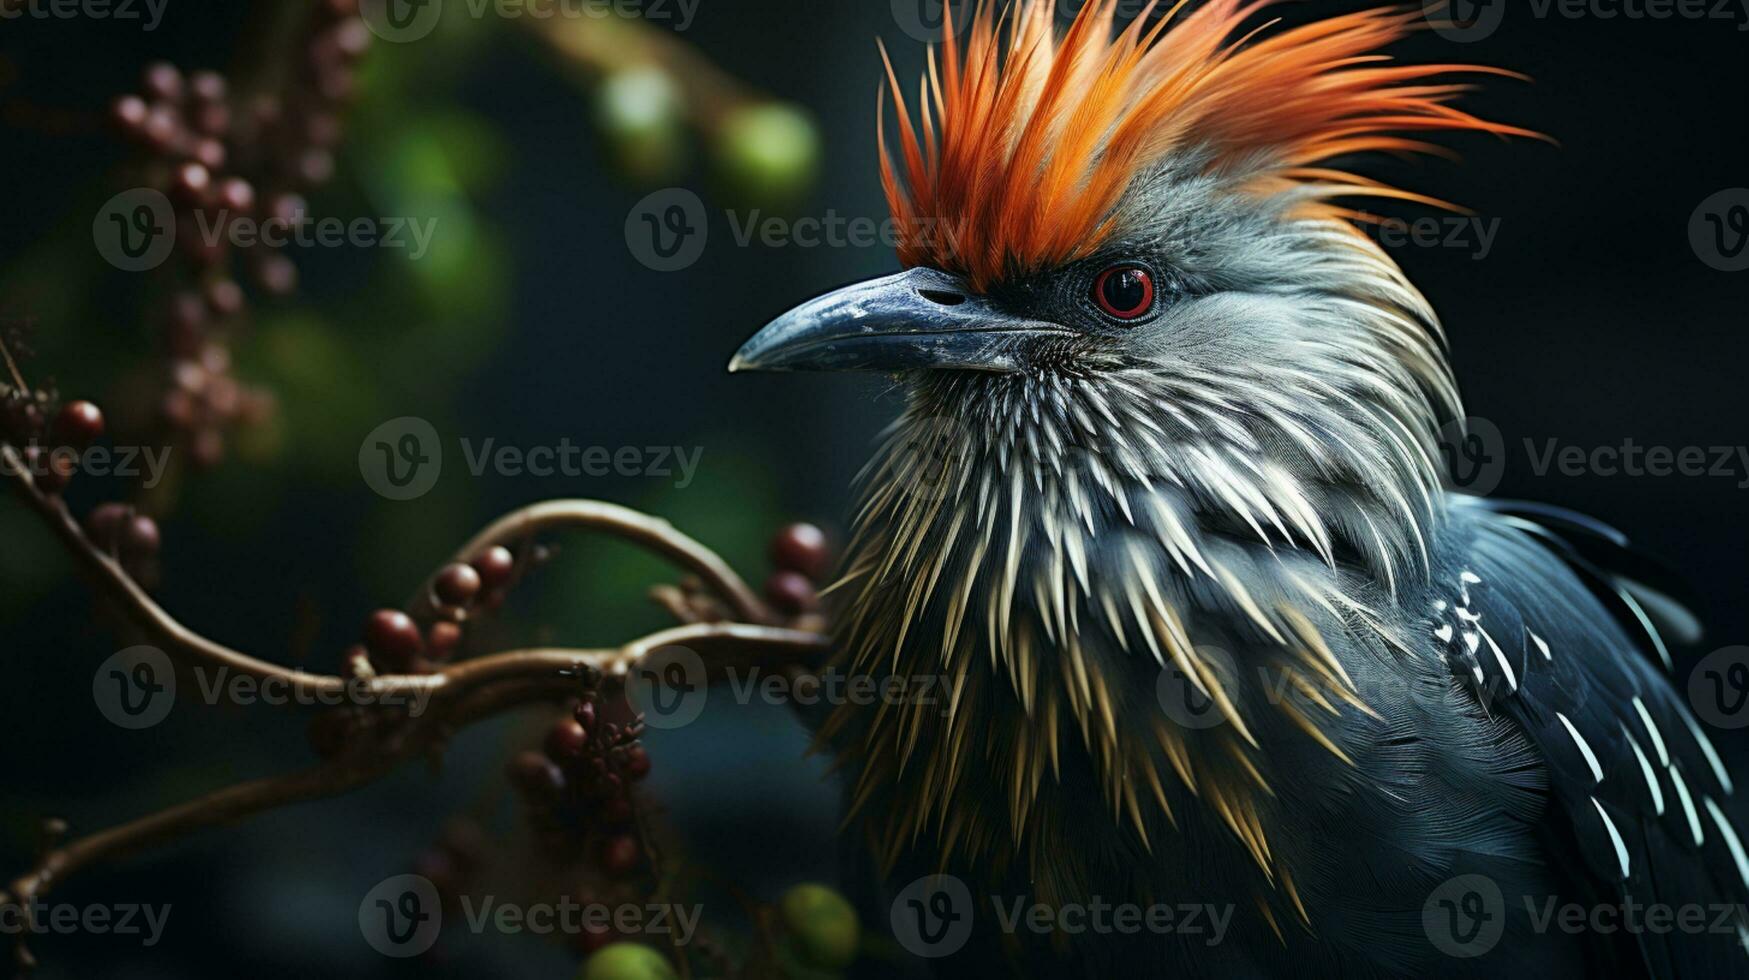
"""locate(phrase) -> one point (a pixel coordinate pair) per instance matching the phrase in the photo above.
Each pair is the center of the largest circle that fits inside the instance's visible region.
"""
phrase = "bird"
(1166, 512)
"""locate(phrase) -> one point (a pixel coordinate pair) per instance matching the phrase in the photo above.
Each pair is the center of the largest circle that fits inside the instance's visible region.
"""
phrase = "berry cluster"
(579, 790)
(224, 157)
(50, 453)
(801, 556)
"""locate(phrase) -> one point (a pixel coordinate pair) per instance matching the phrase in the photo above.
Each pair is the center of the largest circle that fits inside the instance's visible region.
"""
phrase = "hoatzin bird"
(1172, 423)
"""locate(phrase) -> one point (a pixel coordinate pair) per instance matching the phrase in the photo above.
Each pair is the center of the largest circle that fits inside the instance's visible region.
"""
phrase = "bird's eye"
(1124, 291)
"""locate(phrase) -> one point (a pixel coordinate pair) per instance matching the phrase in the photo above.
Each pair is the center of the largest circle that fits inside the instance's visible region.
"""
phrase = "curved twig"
(653, 533)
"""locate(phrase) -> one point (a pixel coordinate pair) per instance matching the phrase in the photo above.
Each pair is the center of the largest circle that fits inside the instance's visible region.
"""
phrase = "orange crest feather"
(1027, 141)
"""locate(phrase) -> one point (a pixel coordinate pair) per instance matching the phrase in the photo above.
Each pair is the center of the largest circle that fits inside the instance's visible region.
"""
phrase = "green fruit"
(768, 153)
(642, 113)
(823, 925)
(627, 961)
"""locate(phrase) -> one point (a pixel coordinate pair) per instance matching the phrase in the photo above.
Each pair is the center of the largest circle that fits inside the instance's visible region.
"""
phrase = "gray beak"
(915, 320)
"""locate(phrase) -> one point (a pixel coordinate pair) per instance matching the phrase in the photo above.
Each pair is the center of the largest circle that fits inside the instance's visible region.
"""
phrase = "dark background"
(1591, 321)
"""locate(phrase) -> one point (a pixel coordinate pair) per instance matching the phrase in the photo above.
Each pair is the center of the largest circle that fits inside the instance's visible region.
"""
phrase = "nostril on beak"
(942, 297)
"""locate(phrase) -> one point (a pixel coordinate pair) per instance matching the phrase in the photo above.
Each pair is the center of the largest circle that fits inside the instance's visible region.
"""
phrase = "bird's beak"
(915, 320)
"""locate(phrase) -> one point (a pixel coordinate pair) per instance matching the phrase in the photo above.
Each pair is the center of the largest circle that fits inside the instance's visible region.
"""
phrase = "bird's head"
(1125, 254)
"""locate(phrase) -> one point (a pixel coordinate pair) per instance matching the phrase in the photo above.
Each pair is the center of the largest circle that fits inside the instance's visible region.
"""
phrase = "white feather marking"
(1729, 833)
(1647, 771)
(1688, 810)
(1652, 730)
(1505, 666)
(1541, 646)
(1712, 754)
(1621, 847)
(1584, 748)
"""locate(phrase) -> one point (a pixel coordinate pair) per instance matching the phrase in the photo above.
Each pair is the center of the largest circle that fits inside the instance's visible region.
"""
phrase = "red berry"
(443, 638)
(79, 424)
(620, 854)
(237, 195)
(225, 297)
(103, 525)
(585, 715)
(535, 775)
(637, 763)
(140, 537)
(790, 592)
(163, 81)
(457, 585)
(566, 740)
(193, 180)
(801, 548)
(495, 567)
(208, 86)
(129, 112)
(392, 637)
(276, 274)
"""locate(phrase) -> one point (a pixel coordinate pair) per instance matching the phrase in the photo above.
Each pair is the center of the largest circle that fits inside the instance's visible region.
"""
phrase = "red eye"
(1124, 291)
